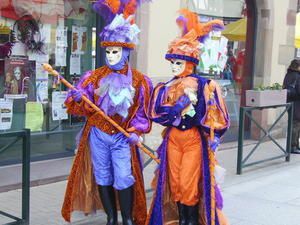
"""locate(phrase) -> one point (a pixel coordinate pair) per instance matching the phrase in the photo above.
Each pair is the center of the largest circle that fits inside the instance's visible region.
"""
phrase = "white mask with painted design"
(177, 66)
(113, 55)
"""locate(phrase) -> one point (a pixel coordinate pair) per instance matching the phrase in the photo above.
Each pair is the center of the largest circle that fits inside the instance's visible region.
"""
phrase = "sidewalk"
(267, 194)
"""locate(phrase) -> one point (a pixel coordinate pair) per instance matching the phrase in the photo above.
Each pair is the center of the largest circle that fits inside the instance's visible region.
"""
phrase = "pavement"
(265, 194)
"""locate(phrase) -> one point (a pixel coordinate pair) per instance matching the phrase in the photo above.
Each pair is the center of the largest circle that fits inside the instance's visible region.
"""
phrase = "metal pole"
(289, 131)
(100, 53)
(240, 141)
(26, 177)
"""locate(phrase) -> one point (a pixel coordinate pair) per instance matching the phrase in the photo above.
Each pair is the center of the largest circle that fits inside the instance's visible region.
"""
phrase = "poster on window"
(42, 91)
(20, 76)
(6, 114)
(75, 64)
(59, 110)
(62, 36)
(40, 72)
(79, 40)
(61, 46)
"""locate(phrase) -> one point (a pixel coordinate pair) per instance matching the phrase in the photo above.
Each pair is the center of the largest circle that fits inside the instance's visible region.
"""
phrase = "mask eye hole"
(115, 52)
(178, 63)
(107, 52)
(172, 62)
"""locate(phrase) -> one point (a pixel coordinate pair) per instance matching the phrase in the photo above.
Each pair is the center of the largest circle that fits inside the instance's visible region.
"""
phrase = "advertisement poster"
(59, 110)
(75, 64)
(222, 61)
(61, 46)
(42, 91)
(19, 75)
(40, 72)
(62, 36)
(60, 56)
(214, 53)
(79, 40)
(34, 116)
(6, 114)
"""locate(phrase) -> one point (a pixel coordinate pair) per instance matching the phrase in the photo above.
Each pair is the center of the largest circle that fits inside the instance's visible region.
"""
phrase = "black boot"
(108, 199)
(192, 215)
(182, 213)
(126, 205)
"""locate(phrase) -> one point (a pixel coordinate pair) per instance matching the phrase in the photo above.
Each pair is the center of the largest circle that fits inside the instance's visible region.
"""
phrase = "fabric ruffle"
(116, 94)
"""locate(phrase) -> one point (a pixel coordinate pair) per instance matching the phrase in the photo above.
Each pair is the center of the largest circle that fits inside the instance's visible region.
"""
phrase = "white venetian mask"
(177, 66)
(113, 55)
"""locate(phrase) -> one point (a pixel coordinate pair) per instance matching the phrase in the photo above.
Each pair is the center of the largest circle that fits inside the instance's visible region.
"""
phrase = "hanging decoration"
(28, 32)
(7, 41)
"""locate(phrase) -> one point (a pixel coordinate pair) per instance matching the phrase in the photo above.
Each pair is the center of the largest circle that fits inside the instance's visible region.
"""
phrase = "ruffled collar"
(116, 92)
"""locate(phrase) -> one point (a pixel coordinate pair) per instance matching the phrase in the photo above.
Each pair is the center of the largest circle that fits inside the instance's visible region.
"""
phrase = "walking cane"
(144, 148)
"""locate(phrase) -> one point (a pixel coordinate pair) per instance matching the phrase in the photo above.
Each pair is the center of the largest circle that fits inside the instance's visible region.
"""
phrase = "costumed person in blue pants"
(107, 161)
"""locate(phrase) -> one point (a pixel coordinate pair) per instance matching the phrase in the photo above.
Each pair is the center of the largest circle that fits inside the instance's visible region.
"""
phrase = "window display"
(32, 32)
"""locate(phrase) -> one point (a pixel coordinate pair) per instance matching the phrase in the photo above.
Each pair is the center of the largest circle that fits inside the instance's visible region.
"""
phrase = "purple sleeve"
(141, 121)
(88, 91)
(81, 108)
(160, 112)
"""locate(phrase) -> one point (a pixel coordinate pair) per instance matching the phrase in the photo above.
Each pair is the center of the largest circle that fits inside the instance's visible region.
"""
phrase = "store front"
(223, 53)
(61, 33)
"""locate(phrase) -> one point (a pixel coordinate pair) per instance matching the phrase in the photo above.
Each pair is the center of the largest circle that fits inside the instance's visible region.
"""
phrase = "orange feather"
(114, 5)
(192, 22)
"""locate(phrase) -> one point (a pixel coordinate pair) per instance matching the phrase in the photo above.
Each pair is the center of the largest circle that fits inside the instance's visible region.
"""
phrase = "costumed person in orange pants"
(195, 115)
(107, 162)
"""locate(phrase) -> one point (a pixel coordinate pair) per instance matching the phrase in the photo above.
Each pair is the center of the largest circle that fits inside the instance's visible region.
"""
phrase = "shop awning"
(297, 42)
(236, 31)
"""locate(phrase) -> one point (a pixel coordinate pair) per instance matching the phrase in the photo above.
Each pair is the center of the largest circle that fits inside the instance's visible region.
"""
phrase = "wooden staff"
(53, 72)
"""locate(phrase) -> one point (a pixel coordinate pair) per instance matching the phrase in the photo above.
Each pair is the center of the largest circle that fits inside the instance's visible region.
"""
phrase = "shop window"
(223, 52)
(61, 33)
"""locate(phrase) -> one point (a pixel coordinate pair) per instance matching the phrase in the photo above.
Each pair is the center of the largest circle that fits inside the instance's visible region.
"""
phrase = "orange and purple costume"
(185, 176)
(82, 192)
(107, 161)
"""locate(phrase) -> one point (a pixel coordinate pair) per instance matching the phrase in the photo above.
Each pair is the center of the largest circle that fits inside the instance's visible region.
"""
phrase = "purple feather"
(202, 39)
(218, 27)
(119, 34)
(215, 27)
(102, 9)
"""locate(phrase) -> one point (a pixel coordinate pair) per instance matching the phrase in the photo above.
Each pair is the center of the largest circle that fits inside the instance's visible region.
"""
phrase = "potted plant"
(266, 96)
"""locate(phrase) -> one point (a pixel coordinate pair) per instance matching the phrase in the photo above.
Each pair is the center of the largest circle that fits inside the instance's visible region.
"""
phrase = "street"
(266, 194)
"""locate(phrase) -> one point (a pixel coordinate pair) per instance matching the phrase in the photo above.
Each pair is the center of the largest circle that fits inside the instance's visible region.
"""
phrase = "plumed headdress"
(186, 47)
(121, 30)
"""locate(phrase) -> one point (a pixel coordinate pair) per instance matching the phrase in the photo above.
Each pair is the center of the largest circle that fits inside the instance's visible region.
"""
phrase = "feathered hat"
(186, 47)
(121, 30)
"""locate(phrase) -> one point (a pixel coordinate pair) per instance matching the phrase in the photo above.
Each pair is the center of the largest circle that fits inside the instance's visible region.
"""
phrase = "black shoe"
(126, 205)
(295, 150)
(192, 215)
(108, 199)
(182, 213)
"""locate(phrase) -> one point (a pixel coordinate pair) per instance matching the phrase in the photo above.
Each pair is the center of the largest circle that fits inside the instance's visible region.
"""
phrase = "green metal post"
(26, 177)
(289, 131)
(240, 141)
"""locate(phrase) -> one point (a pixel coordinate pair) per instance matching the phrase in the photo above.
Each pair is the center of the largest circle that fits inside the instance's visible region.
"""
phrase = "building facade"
(67, 39)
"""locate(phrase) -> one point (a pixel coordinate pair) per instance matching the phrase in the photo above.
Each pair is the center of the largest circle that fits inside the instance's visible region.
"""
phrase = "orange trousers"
(184, 165)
